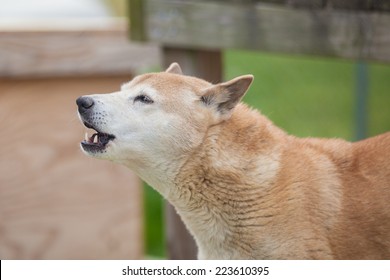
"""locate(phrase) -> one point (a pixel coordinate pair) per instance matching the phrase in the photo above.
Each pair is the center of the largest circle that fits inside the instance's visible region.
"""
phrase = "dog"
(244, 188)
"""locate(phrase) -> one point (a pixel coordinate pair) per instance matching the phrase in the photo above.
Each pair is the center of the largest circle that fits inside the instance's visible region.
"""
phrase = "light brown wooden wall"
(56, 203)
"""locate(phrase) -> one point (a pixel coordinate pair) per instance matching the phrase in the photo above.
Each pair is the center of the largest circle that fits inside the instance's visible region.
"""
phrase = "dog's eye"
(144, 99)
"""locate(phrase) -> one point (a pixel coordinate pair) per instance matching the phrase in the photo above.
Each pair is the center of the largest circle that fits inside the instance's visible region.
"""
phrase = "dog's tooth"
(95, 138)
(86, 138)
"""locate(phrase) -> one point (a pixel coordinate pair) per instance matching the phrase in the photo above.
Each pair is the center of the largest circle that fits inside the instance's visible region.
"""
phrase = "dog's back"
(367, 200)
(358, 196)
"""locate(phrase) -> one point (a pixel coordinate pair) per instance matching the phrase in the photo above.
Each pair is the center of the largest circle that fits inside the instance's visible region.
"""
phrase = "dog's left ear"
(225, 96)
(174, 68)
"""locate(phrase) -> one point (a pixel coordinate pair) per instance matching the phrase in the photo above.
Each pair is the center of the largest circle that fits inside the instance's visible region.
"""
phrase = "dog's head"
(156, 116)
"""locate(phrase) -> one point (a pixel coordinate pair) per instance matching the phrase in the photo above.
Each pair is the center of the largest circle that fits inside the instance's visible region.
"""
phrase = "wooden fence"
(195, 33)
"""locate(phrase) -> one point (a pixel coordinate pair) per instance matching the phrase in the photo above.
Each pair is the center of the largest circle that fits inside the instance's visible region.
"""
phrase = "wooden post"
(207, 65)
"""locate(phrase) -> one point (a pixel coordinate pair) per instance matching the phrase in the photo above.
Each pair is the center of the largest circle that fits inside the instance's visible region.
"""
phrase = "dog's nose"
(84, 103)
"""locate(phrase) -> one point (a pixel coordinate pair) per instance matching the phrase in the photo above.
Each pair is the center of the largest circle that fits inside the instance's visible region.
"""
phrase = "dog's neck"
(213, 193)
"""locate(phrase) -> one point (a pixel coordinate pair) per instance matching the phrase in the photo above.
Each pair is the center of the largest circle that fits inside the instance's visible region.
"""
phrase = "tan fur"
(247, 190)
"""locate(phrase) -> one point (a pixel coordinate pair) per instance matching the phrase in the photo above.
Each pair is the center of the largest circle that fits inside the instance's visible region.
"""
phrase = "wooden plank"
(55, 202)
(380, 5)
(367, 5)
(350, 5)
(266, 27)
(206, 65)
(70, 48)
(310, 4)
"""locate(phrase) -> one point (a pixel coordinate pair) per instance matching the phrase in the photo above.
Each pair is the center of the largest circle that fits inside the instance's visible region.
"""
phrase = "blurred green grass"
(312, 96)
(305, 96)
(154, 223)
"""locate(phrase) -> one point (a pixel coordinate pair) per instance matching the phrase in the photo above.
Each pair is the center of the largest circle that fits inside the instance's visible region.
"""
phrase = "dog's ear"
(225, 96)
(174, 68)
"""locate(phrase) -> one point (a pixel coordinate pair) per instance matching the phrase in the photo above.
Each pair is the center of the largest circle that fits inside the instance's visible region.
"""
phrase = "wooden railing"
(346, 28)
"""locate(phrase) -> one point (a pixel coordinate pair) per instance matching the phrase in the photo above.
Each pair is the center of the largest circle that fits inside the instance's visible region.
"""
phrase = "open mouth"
(97, 142)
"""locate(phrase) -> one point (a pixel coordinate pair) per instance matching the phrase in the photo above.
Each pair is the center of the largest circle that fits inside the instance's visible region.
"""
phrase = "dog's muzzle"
(99, 140)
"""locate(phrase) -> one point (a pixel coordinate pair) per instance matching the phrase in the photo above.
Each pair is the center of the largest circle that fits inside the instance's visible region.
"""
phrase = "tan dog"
(244, 188)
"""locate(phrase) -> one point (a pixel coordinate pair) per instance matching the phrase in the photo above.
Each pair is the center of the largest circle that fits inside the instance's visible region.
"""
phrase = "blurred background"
(56, 203)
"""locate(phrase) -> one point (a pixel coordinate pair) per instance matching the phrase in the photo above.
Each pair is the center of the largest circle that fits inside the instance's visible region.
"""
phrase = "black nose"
(84, 103)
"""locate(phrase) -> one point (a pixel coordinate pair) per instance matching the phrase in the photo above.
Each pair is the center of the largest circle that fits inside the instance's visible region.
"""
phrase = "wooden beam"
(71, 48)
(206, 65)
(268, 27)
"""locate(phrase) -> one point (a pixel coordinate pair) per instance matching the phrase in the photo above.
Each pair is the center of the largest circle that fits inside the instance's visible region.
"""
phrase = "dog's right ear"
(174, 68)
